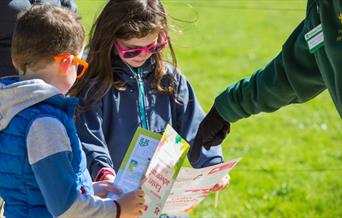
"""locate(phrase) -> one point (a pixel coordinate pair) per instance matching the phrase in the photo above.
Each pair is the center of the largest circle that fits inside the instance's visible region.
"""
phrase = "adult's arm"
(292, 77)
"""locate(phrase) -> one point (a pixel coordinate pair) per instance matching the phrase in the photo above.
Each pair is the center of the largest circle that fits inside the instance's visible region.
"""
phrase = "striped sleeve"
(49, 154)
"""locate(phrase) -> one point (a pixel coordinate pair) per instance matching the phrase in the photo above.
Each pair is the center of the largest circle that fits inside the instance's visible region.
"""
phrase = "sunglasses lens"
(157, 48)
(132, 54)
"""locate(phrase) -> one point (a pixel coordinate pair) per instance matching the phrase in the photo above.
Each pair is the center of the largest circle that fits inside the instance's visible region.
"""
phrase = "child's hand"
(109, 178)
(132, 204)
(222, 185)
(102, 188)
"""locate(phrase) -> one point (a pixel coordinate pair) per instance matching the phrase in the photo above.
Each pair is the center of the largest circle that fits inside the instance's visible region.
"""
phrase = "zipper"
(141, 101)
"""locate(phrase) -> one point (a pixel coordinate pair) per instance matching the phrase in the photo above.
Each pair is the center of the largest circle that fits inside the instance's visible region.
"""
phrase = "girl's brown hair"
(123, 19)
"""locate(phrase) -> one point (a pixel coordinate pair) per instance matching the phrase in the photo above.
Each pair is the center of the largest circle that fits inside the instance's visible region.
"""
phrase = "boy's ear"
(64, 64)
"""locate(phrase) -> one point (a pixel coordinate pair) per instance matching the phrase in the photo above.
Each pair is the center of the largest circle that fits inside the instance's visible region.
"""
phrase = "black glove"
(212, 131)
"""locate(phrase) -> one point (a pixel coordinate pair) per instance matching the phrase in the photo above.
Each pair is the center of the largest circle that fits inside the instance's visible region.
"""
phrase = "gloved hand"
(212, 131)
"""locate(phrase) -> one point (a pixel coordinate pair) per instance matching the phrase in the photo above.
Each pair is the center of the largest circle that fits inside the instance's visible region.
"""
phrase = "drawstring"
(142, 111)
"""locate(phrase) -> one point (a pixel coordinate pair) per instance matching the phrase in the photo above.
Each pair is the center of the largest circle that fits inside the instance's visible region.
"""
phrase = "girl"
(129, 85)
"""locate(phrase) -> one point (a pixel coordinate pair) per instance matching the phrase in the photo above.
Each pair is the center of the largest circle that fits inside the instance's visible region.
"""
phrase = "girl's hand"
(132, 204)
(109, 178)
(102, 188)
(222, 185)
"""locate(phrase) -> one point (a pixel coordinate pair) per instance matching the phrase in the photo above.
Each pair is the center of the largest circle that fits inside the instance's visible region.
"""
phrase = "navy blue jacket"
(8, 11)
(108, 127)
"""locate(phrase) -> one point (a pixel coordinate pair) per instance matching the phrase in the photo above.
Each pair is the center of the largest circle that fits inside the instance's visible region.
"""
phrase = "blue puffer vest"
(18, 186)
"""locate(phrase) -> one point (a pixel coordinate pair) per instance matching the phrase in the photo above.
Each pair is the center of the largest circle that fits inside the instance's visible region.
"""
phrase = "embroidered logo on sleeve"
(315, 39)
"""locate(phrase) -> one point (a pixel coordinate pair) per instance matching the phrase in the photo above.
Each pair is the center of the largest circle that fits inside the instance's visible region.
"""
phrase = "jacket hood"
(16, 95)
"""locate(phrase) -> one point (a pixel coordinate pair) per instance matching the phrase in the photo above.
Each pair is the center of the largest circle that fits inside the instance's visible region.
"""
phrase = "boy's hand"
(212, 131)
(102, 188)
(132, 204)
(222, 185)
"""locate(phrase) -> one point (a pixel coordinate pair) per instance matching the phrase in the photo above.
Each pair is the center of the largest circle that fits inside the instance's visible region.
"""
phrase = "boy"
(42, 166)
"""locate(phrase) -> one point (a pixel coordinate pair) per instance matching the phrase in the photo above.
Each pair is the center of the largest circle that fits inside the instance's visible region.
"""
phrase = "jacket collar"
(122, 71)
(67, 104)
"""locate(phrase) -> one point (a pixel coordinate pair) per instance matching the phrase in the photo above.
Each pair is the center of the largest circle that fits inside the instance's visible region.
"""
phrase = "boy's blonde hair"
(42, 32)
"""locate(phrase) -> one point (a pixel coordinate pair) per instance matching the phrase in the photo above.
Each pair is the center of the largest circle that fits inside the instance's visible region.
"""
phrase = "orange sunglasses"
(82, 65)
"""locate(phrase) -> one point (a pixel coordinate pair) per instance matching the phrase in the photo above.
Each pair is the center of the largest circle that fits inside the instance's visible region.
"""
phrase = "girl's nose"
(144, 53)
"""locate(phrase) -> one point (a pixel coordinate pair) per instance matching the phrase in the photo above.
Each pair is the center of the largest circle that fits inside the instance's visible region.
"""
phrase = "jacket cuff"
(225, 108)
(103, 173)
(207, 158)
(213, 161)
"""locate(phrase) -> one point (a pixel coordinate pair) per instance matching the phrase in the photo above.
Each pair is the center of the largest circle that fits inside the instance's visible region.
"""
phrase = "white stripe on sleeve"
(91, 206)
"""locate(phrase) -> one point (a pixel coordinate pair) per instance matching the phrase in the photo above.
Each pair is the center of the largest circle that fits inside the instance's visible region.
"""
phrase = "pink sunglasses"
(152, 49)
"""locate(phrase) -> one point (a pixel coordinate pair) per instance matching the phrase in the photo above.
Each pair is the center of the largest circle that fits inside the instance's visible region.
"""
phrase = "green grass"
(292, 159)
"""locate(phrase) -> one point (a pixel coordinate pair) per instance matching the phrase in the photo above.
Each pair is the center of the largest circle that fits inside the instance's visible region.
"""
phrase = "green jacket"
(295, 75)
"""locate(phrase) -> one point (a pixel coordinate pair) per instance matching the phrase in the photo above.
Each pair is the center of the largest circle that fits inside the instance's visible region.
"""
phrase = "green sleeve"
(292, 77)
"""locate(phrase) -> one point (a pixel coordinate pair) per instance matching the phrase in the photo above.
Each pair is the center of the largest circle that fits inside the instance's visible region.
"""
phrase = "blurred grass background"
(292, 159)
